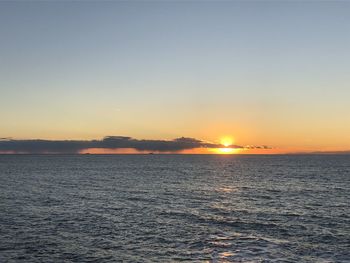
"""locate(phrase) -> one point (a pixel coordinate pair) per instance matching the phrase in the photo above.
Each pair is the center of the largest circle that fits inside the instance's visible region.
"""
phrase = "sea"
(174, 208)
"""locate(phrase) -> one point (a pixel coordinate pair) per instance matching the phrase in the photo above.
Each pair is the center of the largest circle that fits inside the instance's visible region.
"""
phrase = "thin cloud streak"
(109, 142)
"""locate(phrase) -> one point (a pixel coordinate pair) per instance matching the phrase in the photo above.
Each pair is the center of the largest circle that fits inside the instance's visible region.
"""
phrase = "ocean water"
(170, 208)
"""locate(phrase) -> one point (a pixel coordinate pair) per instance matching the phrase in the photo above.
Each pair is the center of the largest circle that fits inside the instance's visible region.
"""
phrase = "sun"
(226, 141)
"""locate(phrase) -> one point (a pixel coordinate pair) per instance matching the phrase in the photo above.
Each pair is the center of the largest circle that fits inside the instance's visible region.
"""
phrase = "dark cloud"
(109, 142)
(257, 147)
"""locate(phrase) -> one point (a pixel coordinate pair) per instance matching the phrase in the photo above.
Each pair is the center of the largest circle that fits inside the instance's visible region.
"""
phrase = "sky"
(264, 73)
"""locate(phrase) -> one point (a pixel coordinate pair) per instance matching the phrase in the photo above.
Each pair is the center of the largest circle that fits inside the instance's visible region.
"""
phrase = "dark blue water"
(168, 208)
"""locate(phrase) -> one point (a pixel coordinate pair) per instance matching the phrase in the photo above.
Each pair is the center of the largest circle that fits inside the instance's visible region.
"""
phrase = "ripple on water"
(174, 208)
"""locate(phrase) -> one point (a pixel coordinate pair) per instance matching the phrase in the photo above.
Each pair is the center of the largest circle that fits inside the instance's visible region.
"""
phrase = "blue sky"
(264, 71)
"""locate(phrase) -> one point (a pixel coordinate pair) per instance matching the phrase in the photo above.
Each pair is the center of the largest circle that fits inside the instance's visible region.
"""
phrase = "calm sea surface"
(169, 208)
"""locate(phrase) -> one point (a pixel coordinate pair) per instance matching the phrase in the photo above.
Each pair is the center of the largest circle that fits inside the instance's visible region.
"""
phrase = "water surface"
(168, 208)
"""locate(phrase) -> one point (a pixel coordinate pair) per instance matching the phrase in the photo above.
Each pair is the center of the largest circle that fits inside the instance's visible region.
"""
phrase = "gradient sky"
(266, 72)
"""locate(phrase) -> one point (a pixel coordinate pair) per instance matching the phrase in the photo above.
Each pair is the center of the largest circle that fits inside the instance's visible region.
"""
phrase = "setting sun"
(226, 141)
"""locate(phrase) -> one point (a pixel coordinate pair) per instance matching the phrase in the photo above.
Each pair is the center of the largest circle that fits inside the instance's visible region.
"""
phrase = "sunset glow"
(227, 141)
(226, 151)
(138, 75)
